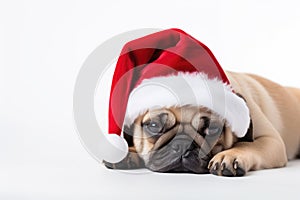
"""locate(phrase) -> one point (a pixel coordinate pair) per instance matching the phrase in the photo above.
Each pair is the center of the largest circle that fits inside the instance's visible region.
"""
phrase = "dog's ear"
(132, 160)
(249, 135)
(128, 134)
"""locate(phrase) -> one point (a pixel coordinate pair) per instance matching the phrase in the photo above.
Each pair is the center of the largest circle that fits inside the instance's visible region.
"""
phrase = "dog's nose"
(182, 145)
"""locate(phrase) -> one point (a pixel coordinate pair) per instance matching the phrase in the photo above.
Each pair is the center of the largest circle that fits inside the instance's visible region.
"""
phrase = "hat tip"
(119, 150)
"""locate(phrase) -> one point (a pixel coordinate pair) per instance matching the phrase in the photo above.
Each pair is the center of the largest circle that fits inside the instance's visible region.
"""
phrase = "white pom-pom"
(118, 149)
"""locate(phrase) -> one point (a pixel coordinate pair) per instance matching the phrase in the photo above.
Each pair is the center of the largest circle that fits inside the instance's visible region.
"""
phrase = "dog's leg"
(131, 161)
(263, 153)
(266, 151)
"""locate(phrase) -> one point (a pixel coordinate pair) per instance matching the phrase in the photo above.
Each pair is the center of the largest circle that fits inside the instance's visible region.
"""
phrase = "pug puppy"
(196, 140)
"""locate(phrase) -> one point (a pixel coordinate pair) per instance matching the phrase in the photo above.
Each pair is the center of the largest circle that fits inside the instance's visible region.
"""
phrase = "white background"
(42, 47)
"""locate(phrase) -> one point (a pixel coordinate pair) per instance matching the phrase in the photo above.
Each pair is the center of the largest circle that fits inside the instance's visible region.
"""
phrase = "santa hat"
(165, 69)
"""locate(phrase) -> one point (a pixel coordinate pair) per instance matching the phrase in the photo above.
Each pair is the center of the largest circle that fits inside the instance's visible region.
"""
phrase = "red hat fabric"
(171, 68)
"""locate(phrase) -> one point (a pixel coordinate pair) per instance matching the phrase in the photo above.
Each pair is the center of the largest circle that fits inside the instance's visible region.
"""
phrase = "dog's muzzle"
(181, 154)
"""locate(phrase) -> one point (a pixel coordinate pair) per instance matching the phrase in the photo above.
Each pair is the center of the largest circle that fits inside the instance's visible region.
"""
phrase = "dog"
(193, 139)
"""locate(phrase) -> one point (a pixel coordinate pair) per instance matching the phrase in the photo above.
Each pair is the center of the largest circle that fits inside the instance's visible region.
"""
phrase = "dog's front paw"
(227, 163)
(131, 161)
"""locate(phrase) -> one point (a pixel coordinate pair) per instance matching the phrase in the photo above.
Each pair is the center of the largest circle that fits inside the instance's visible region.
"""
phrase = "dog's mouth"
(183, 165)
(181, 155)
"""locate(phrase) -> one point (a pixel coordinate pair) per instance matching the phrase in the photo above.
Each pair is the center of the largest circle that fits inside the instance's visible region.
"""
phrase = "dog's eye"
(213, 130)
(153, 127)
(156, 125)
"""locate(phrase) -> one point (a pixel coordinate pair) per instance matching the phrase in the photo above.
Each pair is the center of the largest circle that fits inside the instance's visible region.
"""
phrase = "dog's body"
(274, 112)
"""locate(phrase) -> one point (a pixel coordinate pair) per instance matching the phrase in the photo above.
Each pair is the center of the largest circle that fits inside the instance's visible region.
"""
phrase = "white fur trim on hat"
(189, 89)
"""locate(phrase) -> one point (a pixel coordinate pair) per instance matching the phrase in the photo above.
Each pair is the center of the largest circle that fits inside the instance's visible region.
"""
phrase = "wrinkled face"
(180, 139)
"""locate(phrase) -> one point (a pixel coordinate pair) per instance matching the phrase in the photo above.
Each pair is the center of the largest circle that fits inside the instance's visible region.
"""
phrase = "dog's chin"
(171, 162)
